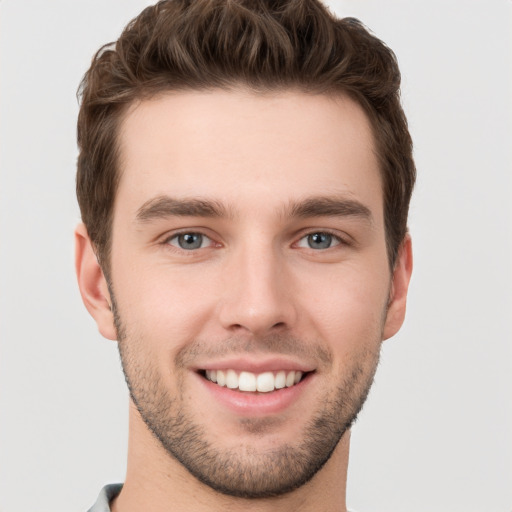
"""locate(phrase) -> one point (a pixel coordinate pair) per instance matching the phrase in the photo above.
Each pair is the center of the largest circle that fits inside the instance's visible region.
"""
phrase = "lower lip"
(257, 404)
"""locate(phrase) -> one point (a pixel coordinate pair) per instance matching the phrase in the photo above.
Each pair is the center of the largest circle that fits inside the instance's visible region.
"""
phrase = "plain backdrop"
(436, 433)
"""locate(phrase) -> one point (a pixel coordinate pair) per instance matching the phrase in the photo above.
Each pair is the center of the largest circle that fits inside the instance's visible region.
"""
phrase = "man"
(244, 178)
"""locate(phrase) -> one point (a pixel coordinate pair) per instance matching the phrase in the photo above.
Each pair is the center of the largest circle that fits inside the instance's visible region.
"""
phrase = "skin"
(254, 279)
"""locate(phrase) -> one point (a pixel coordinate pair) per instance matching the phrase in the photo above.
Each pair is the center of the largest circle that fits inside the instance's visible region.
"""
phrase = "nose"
(257, 296)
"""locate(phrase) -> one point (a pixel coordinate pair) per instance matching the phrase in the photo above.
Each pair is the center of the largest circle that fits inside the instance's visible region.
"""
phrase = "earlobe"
(399, 287)
(92, 284)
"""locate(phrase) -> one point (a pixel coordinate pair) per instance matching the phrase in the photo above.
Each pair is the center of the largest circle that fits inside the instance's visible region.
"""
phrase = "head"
(244, 177)
(180, 45)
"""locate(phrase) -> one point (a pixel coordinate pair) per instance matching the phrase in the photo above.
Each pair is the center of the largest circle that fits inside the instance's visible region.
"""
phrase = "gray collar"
(107, 494)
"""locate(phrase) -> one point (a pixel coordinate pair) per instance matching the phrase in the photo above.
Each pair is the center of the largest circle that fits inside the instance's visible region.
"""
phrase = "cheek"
(346, 305)
(163, 304)
(161, 313)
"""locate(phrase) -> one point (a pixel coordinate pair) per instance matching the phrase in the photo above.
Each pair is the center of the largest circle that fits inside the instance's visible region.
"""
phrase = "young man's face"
(248, 248)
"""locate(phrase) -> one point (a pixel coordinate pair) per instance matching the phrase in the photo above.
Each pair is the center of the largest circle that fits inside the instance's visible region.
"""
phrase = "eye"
(189, 241)
(319, 241)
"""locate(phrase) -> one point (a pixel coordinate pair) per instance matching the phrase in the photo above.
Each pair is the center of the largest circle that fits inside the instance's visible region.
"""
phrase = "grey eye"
(189, 241)
(319, 240)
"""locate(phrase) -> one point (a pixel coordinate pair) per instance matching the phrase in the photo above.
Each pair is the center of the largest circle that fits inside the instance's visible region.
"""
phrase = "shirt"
(107, 494)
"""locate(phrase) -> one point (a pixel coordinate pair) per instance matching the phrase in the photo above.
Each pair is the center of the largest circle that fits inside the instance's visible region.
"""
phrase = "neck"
(156, 481)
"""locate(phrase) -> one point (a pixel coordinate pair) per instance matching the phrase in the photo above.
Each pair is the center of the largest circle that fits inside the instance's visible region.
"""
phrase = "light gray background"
(436, 433)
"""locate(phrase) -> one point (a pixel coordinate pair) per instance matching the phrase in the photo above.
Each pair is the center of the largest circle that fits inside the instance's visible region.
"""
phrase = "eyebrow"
(163, 207)
(329, 207)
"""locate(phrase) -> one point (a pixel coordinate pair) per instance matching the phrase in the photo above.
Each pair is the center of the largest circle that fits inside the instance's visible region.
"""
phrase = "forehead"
(240, 148)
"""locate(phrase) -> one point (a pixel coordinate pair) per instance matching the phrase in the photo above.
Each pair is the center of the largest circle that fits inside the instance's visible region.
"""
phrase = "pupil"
(190, 241)
(320, 240)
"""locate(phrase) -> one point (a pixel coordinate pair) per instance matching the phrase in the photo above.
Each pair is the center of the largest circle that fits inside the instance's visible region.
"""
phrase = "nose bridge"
(256, 295)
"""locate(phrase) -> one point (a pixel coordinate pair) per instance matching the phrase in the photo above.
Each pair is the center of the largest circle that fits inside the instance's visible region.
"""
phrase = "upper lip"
(256, 365)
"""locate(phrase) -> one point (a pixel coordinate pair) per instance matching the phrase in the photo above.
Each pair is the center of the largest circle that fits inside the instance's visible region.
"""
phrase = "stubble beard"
(243, 472)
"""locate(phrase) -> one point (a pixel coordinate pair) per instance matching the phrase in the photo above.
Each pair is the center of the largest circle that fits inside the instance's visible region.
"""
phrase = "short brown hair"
(261, 44)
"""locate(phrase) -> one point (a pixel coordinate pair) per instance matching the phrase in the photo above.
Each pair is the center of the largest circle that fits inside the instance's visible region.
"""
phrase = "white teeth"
(290, 379)
(247, 381)
(265, 382)
(280, 380)
(231, 379)
(221, 378)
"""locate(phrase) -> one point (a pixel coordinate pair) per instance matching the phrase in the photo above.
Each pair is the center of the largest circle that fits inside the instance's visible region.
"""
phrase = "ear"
(92, 284)
(398, 292)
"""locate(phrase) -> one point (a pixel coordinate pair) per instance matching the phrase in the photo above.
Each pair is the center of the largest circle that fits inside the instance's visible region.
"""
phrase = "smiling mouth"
(265, 382)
